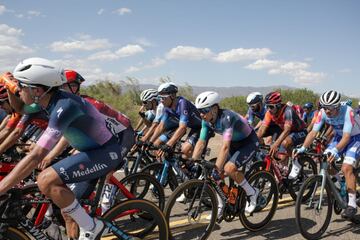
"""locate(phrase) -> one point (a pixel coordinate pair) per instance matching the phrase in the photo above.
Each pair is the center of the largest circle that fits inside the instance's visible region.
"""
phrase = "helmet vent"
(25, 68)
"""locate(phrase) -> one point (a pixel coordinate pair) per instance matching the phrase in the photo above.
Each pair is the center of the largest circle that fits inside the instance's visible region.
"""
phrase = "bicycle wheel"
(128, 217)
(190, 218)
(143, 186)
(308, 169)
(312, 220)
(14, 234)
(155, 169)
(266, 203)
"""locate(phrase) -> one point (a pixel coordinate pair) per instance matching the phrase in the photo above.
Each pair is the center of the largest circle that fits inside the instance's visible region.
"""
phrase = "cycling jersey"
(299, 110)
(287, 115)
(81, 123)
(185, 113)
(252, 114)
(230, 124)
(159, 112)
(3, 114)
(345, 122)
(150, 115)
(307, 117)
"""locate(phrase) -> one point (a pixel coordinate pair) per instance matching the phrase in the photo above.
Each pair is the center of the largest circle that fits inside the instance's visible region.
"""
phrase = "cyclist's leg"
(190, 142)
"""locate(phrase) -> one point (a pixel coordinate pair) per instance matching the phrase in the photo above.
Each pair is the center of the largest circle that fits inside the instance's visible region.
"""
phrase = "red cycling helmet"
(273, 98)
(72, 76)
(3, 93)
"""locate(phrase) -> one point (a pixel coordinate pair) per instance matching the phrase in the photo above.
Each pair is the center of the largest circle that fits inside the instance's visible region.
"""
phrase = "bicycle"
(197, 214)
(324, 196)
(22, 213)
(271, 164)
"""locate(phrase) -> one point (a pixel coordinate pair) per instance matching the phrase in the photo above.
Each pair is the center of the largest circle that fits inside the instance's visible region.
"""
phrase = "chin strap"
(38, 98)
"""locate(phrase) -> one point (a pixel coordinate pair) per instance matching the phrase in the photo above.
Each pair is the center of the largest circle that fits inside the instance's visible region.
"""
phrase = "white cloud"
(306, 78)
(129, 50)
(104, 56)
(345, 70)
(2, 9)
(123, 11)
(85, 43)
(189, 53)
(143, 42)
(101, 11)
(240, 54)
(263, 64)
(155, 62)
(34, 13)
(11, 48)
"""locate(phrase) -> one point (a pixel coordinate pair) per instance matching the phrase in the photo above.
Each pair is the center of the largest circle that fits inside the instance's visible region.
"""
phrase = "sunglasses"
(23, 85)
(270, 106)
(329, 108)
(162, 97)
(253, 105)
(145, 102)
(204, 110)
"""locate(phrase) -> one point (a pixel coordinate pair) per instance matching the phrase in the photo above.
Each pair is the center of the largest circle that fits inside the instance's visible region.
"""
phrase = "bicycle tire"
(155, 169)
(300, 222)
(203, 229)
(148, 183)
(157, 220)
(12, 233)
(303, 160)
(254, 180)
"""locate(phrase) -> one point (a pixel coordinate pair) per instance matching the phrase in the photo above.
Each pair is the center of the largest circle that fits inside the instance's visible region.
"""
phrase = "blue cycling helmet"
(308, 105)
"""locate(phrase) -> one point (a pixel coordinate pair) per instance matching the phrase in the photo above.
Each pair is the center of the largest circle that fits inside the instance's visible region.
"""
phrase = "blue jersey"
(230, 124)
(184, 113)
(251, 115)
(308, 117)
(345, 122)
(83, 126)
(150, 115)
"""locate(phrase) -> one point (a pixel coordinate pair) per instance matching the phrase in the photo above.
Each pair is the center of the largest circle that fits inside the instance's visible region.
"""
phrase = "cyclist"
(308, 113)
(256, 108)
(346, 141)
(178, 112)
(238, 147)
(293, 128)
(147, 112)
(357, 111)
(85, 129)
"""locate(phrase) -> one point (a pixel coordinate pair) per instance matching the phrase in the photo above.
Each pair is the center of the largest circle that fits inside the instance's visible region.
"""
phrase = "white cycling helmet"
(254, 97)
(39, 71)
(167, 88)
(207, 99)
(330, 98)
(148, 95)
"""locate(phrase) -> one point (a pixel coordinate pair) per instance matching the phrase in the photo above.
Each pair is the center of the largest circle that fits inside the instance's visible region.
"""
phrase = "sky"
(224, 43)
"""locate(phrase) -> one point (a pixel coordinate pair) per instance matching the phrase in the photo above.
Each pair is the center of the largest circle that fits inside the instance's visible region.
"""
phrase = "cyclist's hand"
(334, 154)
(44, 163)
(163, 150)
(298, 151)
(273, 149)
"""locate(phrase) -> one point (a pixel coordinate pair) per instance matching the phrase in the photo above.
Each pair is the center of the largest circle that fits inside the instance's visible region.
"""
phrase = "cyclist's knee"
(347, 169)
(48, 178)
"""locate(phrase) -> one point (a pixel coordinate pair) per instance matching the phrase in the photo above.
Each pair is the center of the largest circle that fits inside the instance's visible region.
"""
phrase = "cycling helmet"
(330, 98)
(3, 93)
(148, 95)
(207, 99)
(290, 103)
(39, 71)
(72, 76)
(308, 105)
(167, 88)
(273, 98)
(254, 97)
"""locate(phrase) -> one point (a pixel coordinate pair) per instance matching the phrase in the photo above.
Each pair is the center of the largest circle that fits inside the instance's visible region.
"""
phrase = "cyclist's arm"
(57, 150)
(262, 131)
(344, 141)
(180, 131)
(158, 131)
(258, 125)
(283, 135)
(4, 122)
(199, 148)
(138, 125)
(310, 138)
(222, 156)
(23, 169)
(15, 102)
(150, 131)
(5, 133)
(11, 139)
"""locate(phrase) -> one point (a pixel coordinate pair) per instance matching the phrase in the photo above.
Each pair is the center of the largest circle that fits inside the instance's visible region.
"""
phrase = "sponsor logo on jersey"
(59, 111)
(64, 173)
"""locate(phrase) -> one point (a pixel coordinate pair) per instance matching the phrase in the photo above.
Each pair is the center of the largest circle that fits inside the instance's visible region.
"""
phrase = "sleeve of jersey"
(204, 130)
(159, 113)
(228, 129)
(60, 119)
(267, 119)
(184, 112)
(24, 121)
(319, 121)
(289, 117)
(349, 121)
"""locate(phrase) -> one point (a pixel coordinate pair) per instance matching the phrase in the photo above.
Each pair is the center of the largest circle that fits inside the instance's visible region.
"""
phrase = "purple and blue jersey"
(82, 124)
(251, 115)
